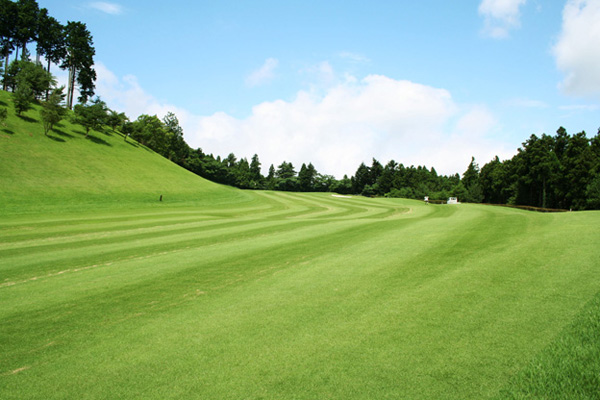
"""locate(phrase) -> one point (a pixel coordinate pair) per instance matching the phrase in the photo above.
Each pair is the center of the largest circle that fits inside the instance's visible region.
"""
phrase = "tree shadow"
(62, 133)
(6, 130)
(79, 132)
(28, 119)
(3, 104)
(56, 139)
(134, 144)
(97, 140)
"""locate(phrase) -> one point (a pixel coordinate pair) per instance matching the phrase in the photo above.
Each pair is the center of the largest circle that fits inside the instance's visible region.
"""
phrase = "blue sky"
(336, 83)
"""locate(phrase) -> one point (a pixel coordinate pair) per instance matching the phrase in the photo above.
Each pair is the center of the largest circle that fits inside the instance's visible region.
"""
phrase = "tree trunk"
(48, 90)
(4, 86)
(71, 89)
(544, 193)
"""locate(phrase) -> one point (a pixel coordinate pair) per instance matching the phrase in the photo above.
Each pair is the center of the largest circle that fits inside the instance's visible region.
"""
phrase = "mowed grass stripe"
(23, 230)
(135, 281)
(219, 243)
(399, 308)
(105, 245)
(345, 207)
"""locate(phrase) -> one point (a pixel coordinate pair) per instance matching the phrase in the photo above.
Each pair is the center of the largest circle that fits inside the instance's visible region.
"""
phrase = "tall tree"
(471, 183)
(578, 164)
(178, 148)
(79, 61)
(361, 178)
(50, 39)
(306, 177)
(26, 23)
(8, 16)
(255, 174)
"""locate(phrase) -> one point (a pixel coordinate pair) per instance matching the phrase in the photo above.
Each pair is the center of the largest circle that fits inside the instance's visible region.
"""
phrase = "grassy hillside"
(65, 170)
(217, 293)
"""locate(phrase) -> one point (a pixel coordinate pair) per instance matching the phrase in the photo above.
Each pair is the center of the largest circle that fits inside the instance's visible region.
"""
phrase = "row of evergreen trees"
(560, 171)
(70, 46)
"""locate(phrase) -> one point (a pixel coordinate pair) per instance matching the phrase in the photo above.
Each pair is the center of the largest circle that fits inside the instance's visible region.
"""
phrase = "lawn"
(288, 296)
(216, 293)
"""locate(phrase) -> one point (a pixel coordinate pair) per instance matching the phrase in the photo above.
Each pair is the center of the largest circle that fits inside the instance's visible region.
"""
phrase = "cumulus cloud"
(336, 129)
(109, 8)
(354, 121)
(264, 74)
(500, 16)
(577, 51)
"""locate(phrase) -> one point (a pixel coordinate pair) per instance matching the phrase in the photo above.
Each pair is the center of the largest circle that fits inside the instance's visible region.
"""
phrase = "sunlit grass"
(105, 292)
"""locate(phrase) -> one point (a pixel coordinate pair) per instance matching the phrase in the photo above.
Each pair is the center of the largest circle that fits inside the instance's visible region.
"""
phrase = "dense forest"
(560, 171)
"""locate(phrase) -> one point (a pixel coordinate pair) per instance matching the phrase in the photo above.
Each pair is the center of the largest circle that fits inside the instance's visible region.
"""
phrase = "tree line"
(70, 46)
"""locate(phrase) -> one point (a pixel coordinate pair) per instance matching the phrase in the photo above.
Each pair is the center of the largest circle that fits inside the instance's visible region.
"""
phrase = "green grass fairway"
(289, 296)
(216, 293)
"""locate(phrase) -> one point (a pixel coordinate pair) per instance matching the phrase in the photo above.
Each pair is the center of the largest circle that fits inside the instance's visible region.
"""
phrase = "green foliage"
(115, 119)
(52, 111)
(548, 171)
(22, 98)
(79, 61)
(26, 24)
(50, 38)
(593, 194)
(90, 116)
(150, 131)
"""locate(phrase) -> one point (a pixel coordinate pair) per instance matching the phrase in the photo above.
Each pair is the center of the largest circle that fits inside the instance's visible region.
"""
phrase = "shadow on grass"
(97, 140)
(56, 139)
(134, 144)
(3, 104)
(79, 132)
(8, 131)
(62, 133)
(28, 119)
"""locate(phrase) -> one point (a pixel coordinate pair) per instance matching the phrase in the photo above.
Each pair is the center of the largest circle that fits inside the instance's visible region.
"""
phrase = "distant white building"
(452, 200)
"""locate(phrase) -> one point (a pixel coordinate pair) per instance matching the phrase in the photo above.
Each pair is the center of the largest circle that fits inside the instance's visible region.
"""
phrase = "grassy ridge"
(66, 171)
(227, 294)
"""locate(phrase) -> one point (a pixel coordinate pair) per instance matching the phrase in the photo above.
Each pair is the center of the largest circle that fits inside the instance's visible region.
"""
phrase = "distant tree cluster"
(560, 171)
(71, 46)
(550, 172)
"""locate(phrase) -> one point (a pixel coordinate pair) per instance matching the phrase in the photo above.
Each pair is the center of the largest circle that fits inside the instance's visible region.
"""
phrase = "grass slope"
(66, 171)
(236, 294)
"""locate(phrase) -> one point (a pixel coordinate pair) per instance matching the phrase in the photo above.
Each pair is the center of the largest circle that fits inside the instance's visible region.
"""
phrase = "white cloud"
(336, 129)
(264, 74)
(353, 122)
(500, 16)
(109, 8)
(353, 57)
(577, 50)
